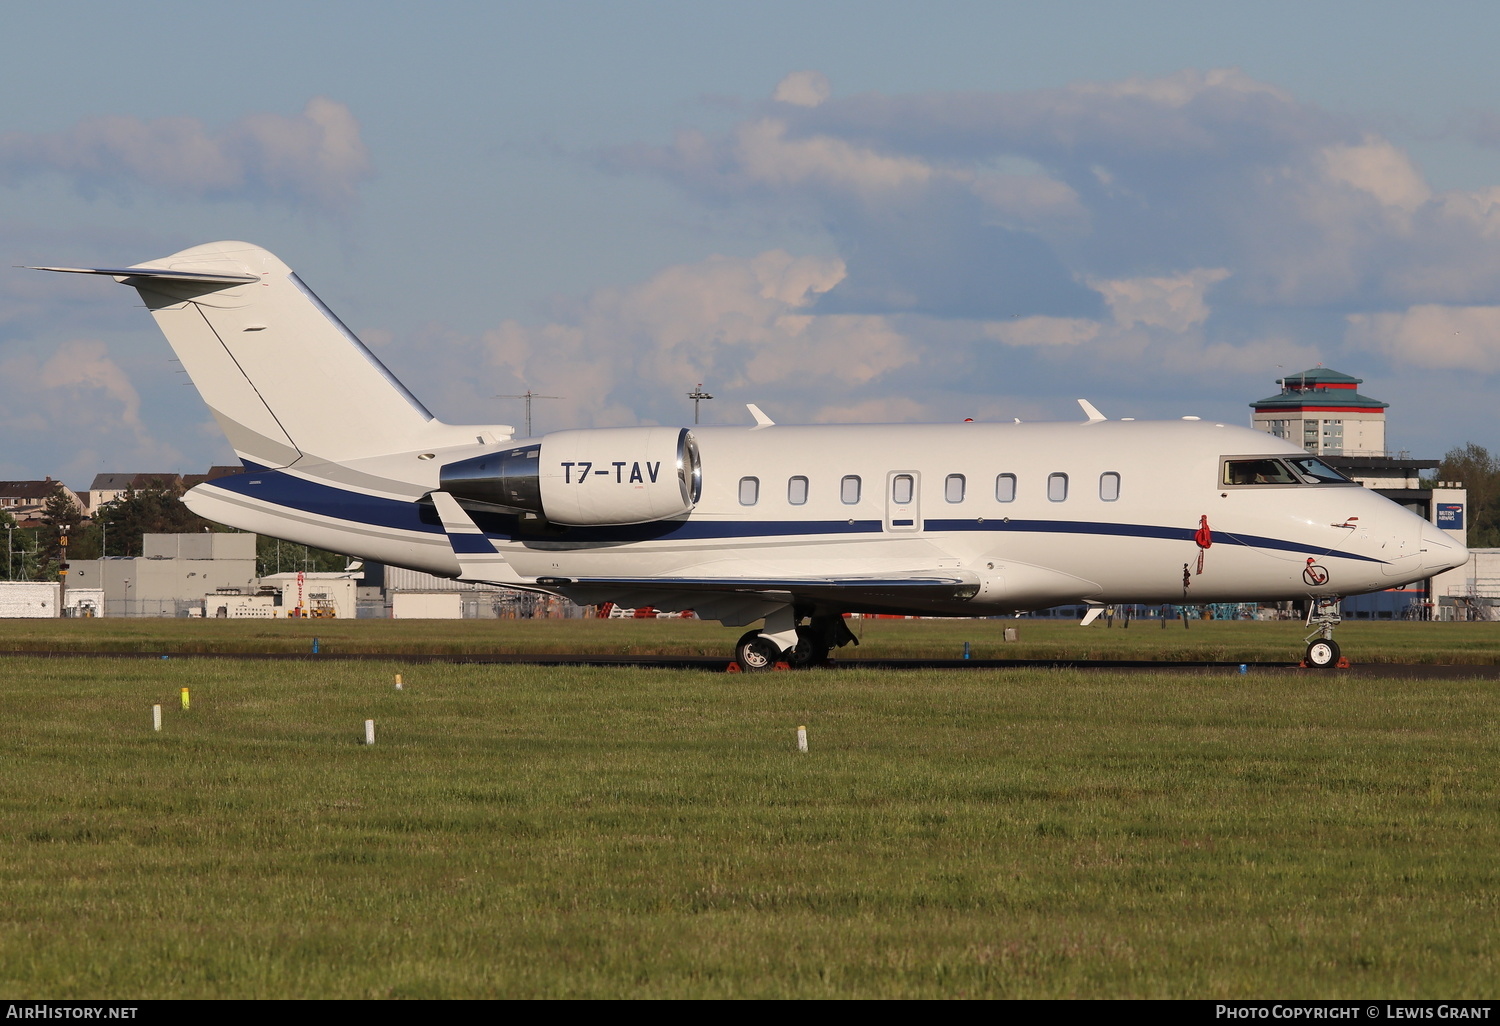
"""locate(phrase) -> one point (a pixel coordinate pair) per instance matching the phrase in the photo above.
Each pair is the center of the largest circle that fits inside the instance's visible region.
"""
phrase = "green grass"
(526, 832)
(1221, 640)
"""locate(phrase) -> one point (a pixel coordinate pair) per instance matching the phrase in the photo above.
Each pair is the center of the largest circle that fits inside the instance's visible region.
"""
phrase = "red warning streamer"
(1204, 537)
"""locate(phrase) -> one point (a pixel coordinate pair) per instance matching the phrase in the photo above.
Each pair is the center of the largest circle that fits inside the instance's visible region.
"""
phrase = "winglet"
(1092, 412)
(761, 420)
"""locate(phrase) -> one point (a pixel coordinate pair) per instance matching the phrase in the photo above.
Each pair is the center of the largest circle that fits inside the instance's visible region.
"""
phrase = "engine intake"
(595, 477)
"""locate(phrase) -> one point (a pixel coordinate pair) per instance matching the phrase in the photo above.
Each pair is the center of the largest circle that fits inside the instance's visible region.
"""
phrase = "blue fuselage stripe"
(325, 500)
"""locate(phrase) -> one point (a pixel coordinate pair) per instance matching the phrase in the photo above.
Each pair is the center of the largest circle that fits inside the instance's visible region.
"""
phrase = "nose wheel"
(1322, 651)
(1322, 654)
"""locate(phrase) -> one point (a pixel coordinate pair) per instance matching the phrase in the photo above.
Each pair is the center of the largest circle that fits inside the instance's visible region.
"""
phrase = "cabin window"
(1057, 487)
(849, 489)
(796, 491)
(749, 491)
(902, 487)
(1258, 472)
(1109, 486)
(953, 488)
(1005, 488)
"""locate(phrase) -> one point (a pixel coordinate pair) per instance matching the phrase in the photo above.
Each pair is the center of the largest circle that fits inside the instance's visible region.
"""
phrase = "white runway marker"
(369, 732)
(801, 739)
(156, 717)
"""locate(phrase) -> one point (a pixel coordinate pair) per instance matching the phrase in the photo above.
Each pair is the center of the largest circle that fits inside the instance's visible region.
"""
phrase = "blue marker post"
(966, 650)
(315, 646)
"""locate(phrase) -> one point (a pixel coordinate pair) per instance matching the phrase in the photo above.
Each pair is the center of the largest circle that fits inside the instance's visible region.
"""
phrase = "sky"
(842, 212)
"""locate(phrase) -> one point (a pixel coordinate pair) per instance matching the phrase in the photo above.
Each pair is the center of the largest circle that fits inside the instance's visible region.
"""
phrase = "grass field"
(1203, 640)
(527, 832)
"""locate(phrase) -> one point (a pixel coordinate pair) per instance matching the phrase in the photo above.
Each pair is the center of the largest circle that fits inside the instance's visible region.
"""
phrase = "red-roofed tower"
(1322, 411)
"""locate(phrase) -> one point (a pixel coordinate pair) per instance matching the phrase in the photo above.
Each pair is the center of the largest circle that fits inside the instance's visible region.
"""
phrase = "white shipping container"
(28, 599)
(416, 605)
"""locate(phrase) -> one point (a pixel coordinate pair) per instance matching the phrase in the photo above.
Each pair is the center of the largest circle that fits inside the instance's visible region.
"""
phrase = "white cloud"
(1180, 89)
(1380, 169)
(803, 89)
(766, 156)
(744, 326)
(316, 157)
(1030, 199)
(83, 366)
(1044, 332)
(1174, 303)
(1432, 336)
(70, 401)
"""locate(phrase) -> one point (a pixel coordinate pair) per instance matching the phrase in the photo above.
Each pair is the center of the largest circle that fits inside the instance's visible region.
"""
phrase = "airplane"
(791, 527)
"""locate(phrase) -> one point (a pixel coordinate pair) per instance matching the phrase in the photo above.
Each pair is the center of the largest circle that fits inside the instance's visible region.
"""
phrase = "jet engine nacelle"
(589, 478)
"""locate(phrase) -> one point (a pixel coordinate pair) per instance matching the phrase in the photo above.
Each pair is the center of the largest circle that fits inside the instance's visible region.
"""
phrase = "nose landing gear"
(1322, 651)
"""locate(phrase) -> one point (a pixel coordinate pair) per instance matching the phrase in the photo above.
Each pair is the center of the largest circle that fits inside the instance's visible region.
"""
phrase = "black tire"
(809, 651)
(1322, 655)
(756, 654)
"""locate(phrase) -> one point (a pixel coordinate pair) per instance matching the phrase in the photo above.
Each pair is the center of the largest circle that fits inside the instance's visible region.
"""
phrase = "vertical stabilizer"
(286, 380)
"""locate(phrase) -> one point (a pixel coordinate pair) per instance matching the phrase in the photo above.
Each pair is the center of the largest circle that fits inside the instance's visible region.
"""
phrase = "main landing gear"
(810, 646)
(1322, 651)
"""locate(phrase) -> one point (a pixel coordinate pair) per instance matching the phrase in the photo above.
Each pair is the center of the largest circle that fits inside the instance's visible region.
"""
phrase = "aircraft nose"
(1440, 551)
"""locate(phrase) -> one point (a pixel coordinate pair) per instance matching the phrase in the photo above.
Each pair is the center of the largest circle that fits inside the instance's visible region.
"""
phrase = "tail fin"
(286, 380)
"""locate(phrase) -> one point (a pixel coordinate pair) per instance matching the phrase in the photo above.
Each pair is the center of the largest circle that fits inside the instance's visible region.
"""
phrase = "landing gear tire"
(756, 653)
(1323, 653)
(811, 650)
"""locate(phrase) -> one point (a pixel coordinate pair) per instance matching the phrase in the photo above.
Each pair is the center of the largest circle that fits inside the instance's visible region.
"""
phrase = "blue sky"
(838, 211)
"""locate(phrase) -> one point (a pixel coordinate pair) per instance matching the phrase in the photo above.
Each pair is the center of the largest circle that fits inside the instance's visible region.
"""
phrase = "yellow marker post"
(398, 682)
(185, 700)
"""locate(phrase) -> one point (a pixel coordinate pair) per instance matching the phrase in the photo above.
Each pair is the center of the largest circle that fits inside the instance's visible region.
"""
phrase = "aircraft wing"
(745, 599)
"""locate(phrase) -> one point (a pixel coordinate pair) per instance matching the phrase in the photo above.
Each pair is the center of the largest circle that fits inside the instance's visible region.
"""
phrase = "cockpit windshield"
(1290, 470)
(1316, 471)
(1258, 472)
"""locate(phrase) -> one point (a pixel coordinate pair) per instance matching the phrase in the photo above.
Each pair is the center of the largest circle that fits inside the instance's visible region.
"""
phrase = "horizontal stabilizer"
(157, 272)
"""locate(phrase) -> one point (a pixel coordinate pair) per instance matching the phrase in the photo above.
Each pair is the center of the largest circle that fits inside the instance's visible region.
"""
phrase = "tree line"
(1478, 470)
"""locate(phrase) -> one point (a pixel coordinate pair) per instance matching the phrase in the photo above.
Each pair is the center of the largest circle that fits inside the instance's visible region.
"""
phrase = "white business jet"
(788, 526)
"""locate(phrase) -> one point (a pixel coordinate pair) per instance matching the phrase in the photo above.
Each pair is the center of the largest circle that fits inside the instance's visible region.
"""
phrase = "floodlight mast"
(528, 395)
(698, 396)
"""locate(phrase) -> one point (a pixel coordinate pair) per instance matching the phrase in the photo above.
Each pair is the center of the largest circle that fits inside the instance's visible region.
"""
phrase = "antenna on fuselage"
(1091, 412)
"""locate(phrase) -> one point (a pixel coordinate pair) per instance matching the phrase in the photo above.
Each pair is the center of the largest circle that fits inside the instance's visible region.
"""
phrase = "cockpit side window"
(1316, 471)
(1262, 471)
